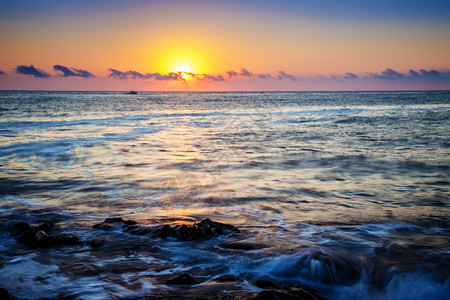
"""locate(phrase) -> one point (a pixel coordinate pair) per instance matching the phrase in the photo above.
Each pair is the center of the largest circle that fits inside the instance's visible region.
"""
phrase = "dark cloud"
(264, 76)
(349, 75)
(168, 76)
(414, 73)
(31, 70)
(391, 73)
(246, 73)
(231, 74)
(67, 72)
(388, 74)
(117, 74)
(2, 73)
(243, 72)
(136, 75)
(212, 77)
(430, 73)
(282, 75)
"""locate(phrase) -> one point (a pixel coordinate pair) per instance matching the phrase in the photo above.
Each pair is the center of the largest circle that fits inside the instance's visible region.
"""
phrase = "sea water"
(344, 192)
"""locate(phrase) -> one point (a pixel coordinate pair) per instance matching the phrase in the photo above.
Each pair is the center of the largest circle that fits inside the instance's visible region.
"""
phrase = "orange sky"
(206, 38)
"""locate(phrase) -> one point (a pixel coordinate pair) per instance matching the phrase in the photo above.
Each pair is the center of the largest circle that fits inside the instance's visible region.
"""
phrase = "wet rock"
(4, 294)
(183, 279)
(20, 228)
(226, 278)
(271, 295)
(110, 223)
(204, 229)
(44, 236)
(46, 226)
(291, 294)
(264, 284)
(243, 245)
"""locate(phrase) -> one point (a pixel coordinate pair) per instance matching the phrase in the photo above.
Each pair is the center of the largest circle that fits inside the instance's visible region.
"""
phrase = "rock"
(42, 236)
(271, 295)
(226, 278)
(183, 279)
(46, 226)
(4, 294)
(291, 294)
(264, 284)
(110, 223)
(113, 220)
(204, 229)
(20, 228)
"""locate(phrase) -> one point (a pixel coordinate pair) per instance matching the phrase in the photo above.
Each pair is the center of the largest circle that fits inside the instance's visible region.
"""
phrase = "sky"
(175, 45)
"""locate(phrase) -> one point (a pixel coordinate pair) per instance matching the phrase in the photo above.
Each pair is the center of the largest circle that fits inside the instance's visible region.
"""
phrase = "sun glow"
(184, 75)
(186, 57)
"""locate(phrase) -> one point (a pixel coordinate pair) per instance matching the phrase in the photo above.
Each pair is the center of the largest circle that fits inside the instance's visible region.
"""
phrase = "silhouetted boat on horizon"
(131, 92)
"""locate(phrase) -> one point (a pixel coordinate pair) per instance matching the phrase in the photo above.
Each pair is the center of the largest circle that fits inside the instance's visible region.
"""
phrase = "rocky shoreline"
(179, 286)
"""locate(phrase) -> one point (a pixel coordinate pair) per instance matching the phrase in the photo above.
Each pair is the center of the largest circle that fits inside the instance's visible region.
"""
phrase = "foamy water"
(347, 193)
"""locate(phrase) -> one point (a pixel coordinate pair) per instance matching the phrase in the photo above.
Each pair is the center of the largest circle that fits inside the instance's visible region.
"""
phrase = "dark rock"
(264, 284)
(243, 245)
(20, 228)
(271, 295)
(226, 278)
(46, 226)
(183, 279)
(110, 223)
(204, 229)
(4, 294)
(43, 236)
(291, 294)
(305, 293)
(113, 220)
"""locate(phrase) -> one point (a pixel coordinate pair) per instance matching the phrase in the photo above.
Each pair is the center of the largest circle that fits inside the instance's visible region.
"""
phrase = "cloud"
(134, 75)
(349, 75)
(31, 70)
(264, 76)
(243, 72)
(117, 74)
(212, 77)
(131, 74)
(388, 74)
(282, 75)
(2, 73)
(231, 74)
(137, 75)
(67, 72)
(430, 73)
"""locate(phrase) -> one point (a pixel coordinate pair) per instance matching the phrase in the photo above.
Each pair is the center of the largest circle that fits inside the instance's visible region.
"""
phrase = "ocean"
(343, 193)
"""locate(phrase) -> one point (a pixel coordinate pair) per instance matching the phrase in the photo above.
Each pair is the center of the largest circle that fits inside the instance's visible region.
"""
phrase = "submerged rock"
(291, 294)
(44, 236)
(4, 294)
(110, 223)
(264, 284)
(20, 228)
(204, 229)
(183, 279)
(226, 278)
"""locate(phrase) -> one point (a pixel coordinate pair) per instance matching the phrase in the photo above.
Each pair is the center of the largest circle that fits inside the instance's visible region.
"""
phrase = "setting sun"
(184, 75)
